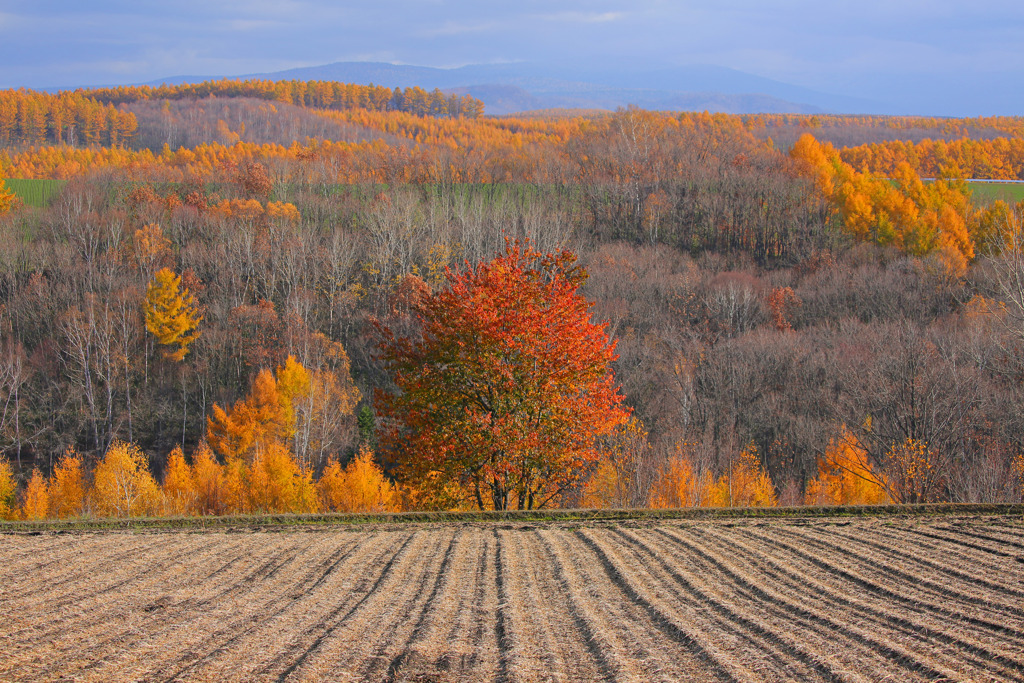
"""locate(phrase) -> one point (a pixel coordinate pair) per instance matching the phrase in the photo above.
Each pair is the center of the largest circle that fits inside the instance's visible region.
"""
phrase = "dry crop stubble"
(745, 600)
(850, 603)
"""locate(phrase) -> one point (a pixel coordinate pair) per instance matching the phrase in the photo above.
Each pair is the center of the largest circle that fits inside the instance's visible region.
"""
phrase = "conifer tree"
(171, 314)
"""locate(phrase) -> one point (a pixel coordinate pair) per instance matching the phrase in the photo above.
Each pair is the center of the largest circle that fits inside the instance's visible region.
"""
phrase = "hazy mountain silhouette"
(516, 87)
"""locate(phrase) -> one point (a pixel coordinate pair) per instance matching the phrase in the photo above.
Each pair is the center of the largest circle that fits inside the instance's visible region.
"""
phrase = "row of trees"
(313, 94)
(121, 485)
(993, 159)
(29, 118)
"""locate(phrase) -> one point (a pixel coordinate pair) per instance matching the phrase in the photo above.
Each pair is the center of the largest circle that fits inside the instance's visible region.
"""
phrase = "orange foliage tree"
(360, 487)
(507, 387)
(846, 477)
(901, 211)
(122, 484)
(7, 489)
(678, 485)
(745, 484)
(171, 314)
(67, 487)
(179, 488)
(614, 482)
(7, 199)
(37, 497)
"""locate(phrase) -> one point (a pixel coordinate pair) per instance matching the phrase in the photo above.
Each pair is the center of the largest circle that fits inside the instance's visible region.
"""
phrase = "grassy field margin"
(335, 520)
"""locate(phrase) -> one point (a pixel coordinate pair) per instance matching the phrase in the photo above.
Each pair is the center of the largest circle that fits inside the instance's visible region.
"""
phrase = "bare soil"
(818, 599)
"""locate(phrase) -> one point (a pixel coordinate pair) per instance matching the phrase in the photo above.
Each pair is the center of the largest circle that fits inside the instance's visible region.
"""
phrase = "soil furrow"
(395, 636)
(63, 622)
(804, 582)
(950, 539)
(543, 643)
(891, 590)
(904, 560)
(175, 625)
(697, 653)
(888, 561)
(597, 630)
(421, 649)
(794, 632)
(804, 597)
(336, 619)
(852, 599)
(133, 652)
(225, 619)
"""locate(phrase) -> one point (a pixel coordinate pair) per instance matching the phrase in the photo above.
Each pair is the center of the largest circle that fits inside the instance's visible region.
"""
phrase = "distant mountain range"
(518, 87)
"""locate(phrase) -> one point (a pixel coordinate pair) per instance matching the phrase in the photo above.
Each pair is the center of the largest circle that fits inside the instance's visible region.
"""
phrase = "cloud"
(583, 17)
(451, 28)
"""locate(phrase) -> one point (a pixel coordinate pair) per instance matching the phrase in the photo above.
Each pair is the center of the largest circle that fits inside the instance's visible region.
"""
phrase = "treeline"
(846, 130)
(313, 94)
(28, 117)
(902, 210)
(756, 324)
(996, 159)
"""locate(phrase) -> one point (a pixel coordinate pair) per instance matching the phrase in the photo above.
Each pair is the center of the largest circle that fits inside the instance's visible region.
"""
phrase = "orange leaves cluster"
(846, 476)
(7, 199)
(902, 211)
(318, 94)
(995, 159)
(507, 387)
(359, 487)
(7, 490)
(33, 118)
(743, 483)
(171, 314)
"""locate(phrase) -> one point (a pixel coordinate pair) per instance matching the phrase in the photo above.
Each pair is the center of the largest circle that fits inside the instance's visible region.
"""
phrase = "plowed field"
(780, 600)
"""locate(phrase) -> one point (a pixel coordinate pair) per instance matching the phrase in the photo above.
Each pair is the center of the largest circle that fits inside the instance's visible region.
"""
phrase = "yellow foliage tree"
(912, 474)
(746, 484)
(318, 404)
(306, 410)
(67, 487)
(179, 487)
(171, 314)
(208, 481)
(278, 484)
(845, 476)
(679, 486)
(7, 199)
(254, 422)
(360, 487)
(7, 487)
(122, 484)
(235, 486)
(37, 497)
(613, 483)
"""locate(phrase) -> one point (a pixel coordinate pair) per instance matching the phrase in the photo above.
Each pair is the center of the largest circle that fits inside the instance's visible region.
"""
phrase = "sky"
(932, 55)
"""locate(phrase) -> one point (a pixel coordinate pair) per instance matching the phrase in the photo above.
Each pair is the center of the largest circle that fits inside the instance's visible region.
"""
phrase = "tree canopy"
(500, 397)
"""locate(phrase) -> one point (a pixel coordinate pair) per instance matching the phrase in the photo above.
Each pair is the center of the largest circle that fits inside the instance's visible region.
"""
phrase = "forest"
(797, 309)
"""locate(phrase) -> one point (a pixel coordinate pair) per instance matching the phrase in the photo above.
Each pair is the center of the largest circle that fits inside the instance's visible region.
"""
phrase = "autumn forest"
(260, 296)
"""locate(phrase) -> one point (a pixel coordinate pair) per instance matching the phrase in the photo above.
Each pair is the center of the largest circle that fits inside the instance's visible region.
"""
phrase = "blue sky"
(933, 54)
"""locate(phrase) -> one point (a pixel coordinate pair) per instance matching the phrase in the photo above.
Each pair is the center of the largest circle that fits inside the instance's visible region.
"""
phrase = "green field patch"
(985, 194)
(38, 192)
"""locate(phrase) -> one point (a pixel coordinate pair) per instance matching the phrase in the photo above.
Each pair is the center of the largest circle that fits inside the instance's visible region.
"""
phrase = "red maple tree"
(502, 394)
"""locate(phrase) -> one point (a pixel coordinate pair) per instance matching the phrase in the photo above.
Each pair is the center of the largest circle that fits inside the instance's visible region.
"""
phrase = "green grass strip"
(281, 522)
(35, 192)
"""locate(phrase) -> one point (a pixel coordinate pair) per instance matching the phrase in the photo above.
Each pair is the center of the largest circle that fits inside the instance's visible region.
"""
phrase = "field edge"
(334, 520)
